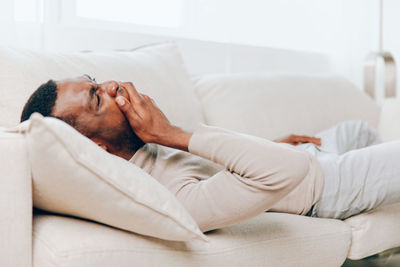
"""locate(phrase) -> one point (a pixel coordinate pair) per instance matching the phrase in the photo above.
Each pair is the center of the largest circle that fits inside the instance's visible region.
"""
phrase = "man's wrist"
(177, 138)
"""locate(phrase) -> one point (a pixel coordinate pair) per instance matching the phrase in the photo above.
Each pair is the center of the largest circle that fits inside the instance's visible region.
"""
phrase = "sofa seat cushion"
(271, 239)
(374, 231)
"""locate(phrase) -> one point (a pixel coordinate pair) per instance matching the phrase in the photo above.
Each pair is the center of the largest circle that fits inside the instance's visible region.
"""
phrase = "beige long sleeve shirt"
(228, 177)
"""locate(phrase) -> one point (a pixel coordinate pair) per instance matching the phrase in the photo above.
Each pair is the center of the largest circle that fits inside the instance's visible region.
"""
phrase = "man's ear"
(100, 143)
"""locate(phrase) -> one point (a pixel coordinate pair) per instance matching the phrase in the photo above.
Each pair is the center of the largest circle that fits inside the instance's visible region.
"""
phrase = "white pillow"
(156, 70)
(73, 176)
(276, 105)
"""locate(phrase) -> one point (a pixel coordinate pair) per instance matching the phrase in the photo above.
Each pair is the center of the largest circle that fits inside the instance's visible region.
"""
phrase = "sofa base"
(271, 239)
(389, 258)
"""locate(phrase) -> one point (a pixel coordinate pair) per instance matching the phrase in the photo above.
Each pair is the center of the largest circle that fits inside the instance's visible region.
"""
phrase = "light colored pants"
(361, 173)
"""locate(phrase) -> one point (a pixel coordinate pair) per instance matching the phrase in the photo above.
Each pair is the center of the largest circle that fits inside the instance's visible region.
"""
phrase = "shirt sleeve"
(258, 174)
(250, 156)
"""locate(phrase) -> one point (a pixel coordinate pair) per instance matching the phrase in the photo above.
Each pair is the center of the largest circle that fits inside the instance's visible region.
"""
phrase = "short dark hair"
(41, 101)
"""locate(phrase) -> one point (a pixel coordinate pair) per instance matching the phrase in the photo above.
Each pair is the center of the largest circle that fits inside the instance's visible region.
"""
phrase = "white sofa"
(265, 105)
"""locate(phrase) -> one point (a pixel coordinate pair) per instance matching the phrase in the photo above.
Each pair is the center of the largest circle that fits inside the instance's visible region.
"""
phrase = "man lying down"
(223, 177)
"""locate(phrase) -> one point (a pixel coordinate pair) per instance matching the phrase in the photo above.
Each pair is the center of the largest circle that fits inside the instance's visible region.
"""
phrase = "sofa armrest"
(15, 202)
(374, 231)
(389, 121)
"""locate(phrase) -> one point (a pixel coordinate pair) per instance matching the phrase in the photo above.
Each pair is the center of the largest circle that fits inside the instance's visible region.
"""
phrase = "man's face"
(93, 105)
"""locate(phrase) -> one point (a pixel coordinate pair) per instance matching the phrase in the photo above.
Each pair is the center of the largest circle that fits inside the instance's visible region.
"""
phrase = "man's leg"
(359, 180)
(348, 135)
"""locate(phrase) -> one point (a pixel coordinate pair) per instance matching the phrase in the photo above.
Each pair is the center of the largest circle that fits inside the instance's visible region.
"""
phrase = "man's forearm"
(176, 137)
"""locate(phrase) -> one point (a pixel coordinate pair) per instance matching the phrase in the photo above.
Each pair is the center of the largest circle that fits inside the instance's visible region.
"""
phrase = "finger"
(307, 139)
(127, 109)
(301, 139)
(318, 141)
(304, 138)
(146, 97)
(149, 99)
(133, 93)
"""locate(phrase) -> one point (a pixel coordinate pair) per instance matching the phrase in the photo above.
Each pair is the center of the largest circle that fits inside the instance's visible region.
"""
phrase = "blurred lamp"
(380, 68)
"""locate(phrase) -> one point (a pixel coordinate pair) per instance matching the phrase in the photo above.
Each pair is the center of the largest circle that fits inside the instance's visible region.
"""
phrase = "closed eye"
(93, 92)
(98, 100)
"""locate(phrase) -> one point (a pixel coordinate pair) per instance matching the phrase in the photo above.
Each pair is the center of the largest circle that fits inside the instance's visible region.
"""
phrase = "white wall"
(245, 35)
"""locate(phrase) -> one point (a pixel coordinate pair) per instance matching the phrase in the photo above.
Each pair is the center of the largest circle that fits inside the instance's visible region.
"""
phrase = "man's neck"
(126, 153)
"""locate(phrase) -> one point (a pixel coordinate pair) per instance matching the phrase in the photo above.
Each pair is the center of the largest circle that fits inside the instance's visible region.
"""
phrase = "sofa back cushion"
(156, 70)
(276, 105)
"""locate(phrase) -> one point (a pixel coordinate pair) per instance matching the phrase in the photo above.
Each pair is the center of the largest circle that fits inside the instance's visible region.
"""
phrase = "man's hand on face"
(148, 122)
(300, 139)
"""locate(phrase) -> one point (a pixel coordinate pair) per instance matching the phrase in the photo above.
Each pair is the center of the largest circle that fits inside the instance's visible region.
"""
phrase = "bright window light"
(25, 10)
(145, 12)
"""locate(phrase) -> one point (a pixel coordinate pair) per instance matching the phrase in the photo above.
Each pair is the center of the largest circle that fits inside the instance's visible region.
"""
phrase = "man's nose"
(110, 87)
